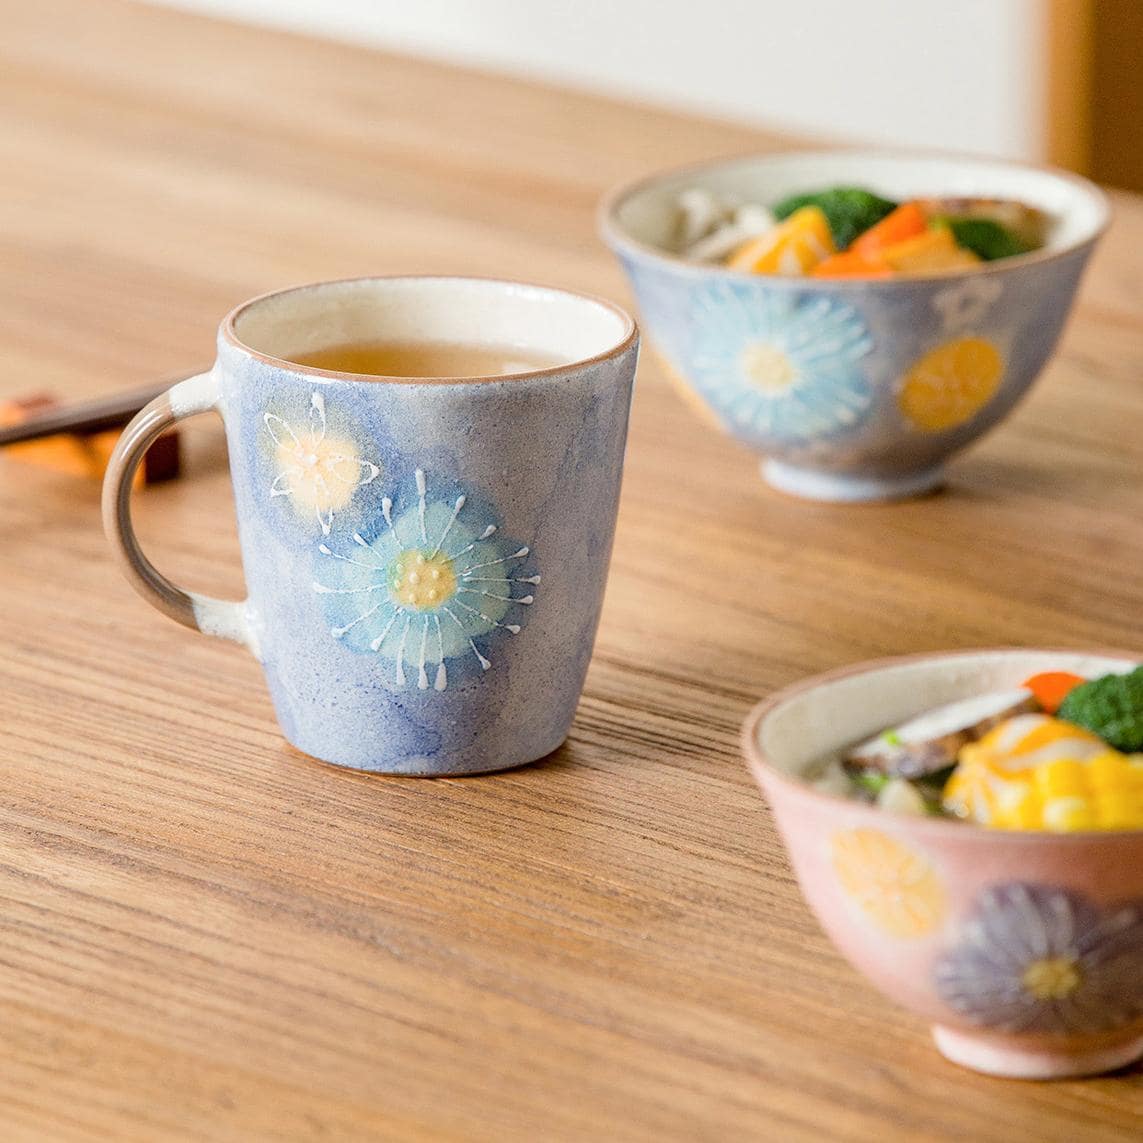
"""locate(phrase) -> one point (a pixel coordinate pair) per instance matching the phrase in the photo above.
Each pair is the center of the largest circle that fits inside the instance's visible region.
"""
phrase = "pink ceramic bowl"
(1024, 950)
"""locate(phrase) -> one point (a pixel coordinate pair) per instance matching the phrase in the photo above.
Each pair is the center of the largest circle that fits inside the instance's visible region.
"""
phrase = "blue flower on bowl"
(785, 367)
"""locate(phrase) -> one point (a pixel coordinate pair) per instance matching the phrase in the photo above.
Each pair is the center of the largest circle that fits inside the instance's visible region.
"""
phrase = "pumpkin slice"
(932, 252)
(794, 247)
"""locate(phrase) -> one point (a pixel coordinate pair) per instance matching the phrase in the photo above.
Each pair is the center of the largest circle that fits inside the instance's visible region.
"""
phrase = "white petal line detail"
(524, 599)
(422, 674)
(460, 501)
(532, 579)
(420, 476)
(321, 589)
(513, 627)
(376, 644)
(442, 674)
(483, 536)
(492, 563)
(484, 663)
(326, 550)
(401, 653)
(338, 632)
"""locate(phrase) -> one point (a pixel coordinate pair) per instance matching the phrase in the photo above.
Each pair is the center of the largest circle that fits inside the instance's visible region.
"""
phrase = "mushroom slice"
(931, 741)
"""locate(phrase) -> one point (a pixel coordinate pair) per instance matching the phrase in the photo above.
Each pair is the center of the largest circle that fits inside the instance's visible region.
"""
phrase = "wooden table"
(203, 934)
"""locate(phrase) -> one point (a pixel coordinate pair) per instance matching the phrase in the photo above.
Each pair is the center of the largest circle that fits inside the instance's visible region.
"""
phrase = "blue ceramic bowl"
(855, 390)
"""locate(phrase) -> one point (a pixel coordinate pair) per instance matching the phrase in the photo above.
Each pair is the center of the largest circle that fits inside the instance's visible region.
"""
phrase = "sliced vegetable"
(850, 210)
(931, 741)
(931, 252)
(698, 212)
(794, 247)
(872, 783)
(1052, 687)
(747, 222)
(984, 237)
(907, 221)
(850, 264)
(900, 796)
(1111, 707)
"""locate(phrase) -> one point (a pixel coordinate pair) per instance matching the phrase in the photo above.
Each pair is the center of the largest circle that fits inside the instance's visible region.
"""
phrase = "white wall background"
(962, 75)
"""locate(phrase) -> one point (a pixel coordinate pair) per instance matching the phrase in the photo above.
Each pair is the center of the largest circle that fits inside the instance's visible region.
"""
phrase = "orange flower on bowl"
(896, 887)
(949, 385)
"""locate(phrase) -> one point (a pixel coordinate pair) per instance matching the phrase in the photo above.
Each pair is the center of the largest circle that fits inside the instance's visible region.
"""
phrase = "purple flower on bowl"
(1041, 959)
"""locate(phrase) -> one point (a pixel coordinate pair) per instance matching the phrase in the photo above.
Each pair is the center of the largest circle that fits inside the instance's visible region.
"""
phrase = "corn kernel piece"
(1119, 809)
(1109, 770)
(1061, 778)
(1064, 815)
(1026, 814)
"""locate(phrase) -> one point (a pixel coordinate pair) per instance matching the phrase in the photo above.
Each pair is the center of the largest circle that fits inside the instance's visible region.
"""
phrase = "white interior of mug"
(818, 720)
(572, 328)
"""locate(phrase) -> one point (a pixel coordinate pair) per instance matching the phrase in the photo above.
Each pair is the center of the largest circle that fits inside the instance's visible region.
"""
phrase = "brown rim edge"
(630, 336)
(761, 767)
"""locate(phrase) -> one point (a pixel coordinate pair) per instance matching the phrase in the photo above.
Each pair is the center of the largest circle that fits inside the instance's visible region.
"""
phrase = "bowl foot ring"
(1012, 1060)
(839, 487)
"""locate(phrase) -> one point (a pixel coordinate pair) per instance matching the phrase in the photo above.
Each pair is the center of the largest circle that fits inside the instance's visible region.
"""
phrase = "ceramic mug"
(425, 560)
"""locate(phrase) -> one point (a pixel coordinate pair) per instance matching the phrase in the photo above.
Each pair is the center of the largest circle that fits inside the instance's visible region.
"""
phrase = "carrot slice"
(907, 221)
(851, 264)
(1052, 687)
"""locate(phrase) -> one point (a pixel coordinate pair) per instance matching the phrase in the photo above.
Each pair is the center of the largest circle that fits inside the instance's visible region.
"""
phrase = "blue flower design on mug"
(425, 589)
(782, 365)
(1041, 959)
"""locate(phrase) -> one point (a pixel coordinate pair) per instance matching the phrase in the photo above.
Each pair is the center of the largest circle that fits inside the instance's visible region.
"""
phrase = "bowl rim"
(618, 239)
(765, 771)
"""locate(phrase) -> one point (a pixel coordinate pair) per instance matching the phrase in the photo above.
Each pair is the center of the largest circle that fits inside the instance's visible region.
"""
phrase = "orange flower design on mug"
(319, 472)
(896, 887)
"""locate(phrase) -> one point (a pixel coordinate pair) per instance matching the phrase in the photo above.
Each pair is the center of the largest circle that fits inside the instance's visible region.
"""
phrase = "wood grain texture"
(206, 936)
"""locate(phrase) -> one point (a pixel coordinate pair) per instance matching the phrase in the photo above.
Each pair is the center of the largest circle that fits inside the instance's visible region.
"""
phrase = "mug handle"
(218, 617)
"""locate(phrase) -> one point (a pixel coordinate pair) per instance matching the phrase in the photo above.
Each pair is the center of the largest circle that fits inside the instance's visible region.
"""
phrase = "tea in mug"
(428, 359)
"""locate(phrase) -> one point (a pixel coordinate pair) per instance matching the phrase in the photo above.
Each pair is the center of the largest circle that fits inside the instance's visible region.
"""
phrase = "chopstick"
(87, 417)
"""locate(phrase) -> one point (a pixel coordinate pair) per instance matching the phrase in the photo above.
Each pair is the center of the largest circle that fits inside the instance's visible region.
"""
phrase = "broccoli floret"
(985, 237)
(1111, 707)
(850, 210)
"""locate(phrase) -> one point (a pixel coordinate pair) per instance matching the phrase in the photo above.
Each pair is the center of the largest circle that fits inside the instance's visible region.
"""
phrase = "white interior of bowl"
(569, 327)
(648, 214)
(818, 721)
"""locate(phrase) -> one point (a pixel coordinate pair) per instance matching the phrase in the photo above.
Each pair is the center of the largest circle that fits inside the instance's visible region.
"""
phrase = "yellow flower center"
(424, 582)
(323, 473)
(1052, 978)
(768, 367)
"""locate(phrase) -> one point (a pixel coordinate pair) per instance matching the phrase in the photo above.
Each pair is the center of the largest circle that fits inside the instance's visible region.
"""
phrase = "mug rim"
(629, 336)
